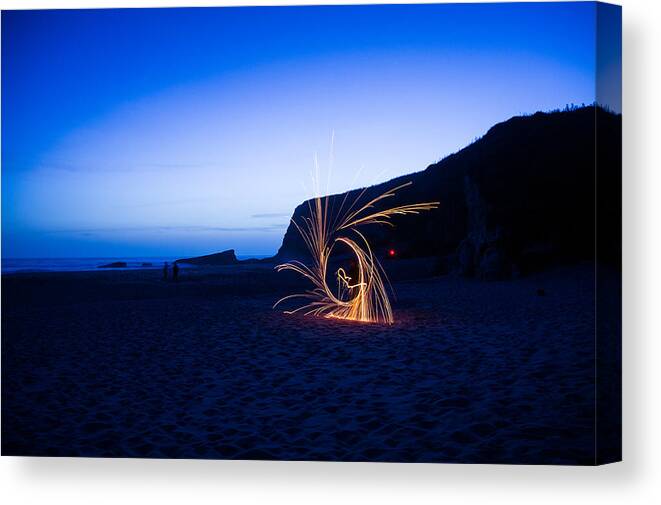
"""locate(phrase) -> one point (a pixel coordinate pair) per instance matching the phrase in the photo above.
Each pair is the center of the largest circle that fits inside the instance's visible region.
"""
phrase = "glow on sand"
(361, 294)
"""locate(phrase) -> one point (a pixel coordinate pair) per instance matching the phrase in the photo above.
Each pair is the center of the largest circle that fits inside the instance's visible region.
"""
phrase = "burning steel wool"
(361, 294)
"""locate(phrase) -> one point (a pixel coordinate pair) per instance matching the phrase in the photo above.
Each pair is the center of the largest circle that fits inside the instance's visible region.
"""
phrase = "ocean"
(11, 265)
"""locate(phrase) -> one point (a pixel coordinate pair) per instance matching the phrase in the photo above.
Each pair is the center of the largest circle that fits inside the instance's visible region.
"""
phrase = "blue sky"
(133, 132)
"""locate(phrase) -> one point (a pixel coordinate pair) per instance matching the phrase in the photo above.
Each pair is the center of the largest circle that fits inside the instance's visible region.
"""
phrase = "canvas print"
(342, 233)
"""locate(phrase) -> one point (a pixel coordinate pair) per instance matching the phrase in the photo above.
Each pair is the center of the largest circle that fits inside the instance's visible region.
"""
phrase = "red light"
(391, 252)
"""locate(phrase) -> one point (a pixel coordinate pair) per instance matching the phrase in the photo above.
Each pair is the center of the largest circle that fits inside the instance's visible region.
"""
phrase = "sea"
(13, 265)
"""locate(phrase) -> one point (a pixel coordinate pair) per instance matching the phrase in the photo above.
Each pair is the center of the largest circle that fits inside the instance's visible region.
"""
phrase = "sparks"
(361, 294)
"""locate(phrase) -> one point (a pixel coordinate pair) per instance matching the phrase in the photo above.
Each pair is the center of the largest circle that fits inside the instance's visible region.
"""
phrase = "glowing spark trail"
(361, 296)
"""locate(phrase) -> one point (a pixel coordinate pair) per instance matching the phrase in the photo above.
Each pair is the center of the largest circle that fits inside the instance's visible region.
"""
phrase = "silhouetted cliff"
(520, 198)
(218, 259)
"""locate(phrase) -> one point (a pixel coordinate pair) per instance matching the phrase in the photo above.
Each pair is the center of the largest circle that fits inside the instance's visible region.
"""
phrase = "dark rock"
(466, 257)
(483, 253)
(494, 264)
(116, 264)
(519, 199)
(218, 259)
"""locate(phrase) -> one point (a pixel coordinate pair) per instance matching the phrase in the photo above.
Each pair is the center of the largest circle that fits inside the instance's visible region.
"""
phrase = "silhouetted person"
(165, 271)
(175, 272)
(354, 272)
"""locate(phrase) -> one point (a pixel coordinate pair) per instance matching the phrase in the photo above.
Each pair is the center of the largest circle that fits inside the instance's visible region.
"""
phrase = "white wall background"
(637, 480)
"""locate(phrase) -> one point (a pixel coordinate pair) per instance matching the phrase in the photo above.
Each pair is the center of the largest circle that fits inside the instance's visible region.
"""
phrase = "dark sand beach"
(122, 364)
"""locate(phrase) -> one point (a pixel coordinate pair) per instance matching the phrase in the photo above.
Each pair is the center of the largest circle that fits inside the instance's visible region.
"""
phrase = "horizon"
(260, 255)
(186, 142)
